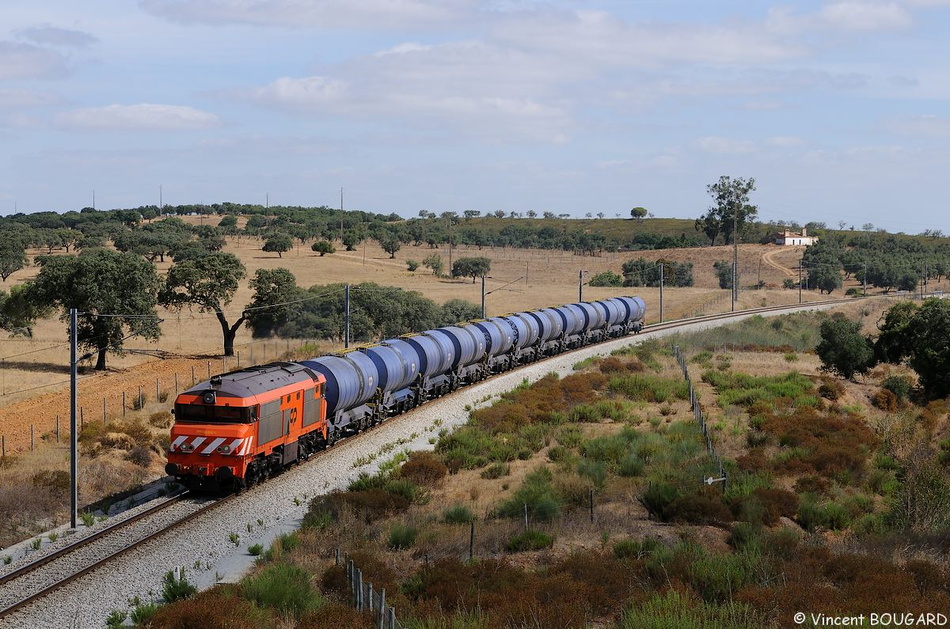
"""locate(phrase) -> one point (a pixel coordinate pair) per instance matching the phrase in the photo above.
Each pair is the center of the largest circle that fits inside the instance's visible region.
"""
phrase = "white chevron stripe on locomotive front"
(214, 444)
(246, 447)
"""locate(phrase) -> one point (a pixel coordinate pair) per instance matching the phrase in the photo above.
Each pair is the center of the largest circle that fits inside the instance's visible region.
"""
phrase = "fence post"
(3, 445)
(382, 609)
(158, 390)
(359, 589)
(526, 516)
(82, 418)
(57, 429)
(392, 618)
(32, 442)
(103, 410)
(176, 383)
(591, 505)
(471, 541)
(239, 359)
(209, 370)
(123, 404)
(193, 379)
(369, 591)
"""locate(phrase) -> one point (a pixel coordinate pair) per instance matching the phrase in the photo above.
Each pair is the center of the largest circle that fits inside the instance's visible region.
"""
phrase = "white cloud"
(25, 61)
(314, 93)
(842, 15)
(785, 141)
(362, 14)
(927, 125)
(11, 99)
(857, 15)
(50, 35)
(473, 88)
(142, 117)
(715, 144)
(601, 38)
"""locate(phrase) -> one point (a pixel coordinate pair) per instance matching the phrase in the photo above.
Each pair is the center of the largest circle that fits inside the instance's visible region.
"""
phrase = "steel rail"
(32, 567)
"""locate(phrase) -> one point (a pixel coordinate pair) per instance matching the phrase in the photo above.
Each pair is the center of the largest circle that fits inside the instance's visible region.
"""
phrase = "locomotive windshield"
(213, 414)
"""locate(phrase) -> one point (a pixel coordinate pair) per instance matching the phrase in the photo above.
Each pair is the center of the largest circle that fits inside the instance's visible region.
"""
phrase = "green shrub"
(529, 540)
(898, 385)
(631, 465)
(606, 278)
(673, 609)
(458, 514)
(283, 543)
(537, 495)
(403, 488)
(255, 549)
(813, 515)
(495, 470)
(401, 536)
(595, 471)
(284, 587)
(176, 589)
(648, 388)
(636, 549)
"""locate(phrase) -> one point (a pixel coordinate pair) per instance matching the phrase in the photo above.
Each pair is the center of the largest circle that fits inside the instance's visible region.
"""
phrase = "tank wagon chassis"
(238, 428)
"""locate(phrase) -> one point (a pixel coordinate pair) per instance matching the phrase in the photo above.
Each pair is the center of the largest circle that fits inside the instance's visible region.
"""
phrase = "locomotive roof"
(255, 380)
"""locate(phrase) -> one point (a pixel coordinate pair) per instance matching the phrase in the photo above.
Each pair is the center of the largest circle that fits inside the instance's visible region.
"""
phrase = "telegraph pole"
(73, 431)
(346, 317)
(483, 290)
(661, 292)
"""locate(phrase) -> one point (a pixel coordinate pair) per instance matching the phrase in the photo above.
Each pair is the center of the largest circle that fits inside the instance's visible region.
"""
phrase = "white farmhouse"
(792, 239)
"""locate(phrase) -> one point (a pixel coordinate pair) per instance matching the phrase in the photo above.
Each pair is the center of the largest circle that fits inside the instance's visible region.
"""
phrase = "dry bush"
(776, 503)
(106, 476)
(162, 420)
(423, 468)
(885, 400)
(830, 445)
(334, 615)
(830, 388)
(615, 364)
(930, 416)
(368, 505)
(217, 608)
(703, 507)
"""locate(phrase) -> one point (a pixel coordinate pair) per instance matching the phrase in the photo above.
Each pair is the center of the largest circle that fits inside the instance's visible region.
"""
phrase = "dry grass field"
(34, 372)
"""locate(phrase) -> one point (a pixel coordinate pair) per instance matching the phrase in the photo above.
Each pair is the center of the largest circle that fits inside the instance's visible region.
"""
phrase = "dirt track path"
(769, 259)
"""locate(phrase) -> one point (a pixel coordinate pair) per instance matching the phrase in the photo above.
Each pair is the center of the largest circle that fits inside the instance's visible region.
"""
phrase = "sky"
(838, 109)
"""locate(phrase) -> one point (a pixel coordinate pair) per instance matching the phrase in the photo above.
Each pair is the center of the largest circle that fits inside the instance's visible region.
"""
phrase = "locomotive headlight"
(187, 447)
(208, 397)
(224, 450)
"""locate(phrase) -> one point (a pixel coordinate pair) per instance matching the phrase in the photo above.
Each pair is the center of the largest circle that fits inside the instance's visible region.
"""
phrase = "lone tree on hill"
(323, 247)
(471, 267)
(208, 282)
(115, 294)
(278, 242)
(638, 214)
(276, 298)
(732, 210)
(843, 349)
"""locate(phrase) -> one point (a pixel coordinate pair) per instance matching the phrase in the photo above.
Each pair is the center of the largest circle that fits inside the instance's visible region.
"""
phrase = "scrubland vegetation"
(586, 499)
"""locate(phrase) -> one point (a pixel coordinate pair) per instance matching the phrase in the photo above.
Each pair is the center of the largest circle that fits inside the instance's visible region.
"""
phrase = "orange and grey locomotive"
(238, 428)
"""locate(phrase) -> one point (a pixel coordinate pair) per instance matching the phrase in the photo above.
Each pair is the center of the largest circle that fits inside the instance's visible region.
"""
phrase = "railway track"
(27, 584)
(39, 578)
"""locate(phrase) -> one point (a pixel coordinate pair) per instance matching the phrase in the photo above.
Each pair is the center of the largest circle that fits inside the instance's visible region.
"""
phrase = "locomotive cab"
(237, 428)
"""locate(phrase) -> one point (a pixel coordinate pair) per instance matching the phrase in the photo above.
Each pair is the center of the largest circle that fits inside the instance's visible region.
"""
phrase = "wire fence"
(366, 599)
(50, 423)
(701, 421)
